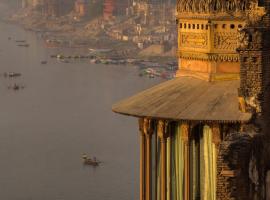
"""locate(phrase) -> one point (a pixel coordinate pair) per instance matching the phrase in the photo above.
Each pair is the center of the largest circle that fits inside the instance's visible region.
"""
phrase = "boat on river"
(15, 87)
(20, 41)
(90, 161)
(23, 45)
(99, 50)
(12, 74)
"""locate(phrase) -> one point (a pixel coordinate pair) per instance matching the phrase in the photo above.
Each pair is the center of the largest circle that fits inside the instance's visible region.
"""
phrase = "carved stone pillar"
(185, 130)
(148, 131)
(169, 174)
(142, 159)
(216, 135)
(163, 135)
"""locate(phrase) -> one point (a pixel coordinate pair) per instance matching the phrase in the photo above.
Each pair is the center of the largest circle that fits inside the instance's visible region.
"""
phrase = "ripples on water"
(64, 111)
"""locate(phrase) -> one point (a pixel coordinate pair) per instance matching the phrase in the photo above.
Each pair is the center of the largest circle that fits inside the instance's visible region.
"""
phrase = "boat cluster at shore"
(12, 75)
(147, 68)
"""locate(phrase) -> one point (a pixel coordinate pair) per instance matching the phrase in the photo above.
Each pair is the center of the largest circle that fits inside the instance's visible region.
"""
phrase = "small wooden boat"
(19, 41)
(88, 161)
(64, 61)
(23, 45)
(15, 87)
(12, 74)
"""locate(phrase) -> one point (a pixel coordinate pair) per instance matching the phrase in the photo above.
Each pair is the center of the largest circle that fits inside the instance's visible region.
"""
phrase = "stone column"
(216, 139)
(169, 188)
(148, 131)
(185, 128)
(142, 159)
(163, 134)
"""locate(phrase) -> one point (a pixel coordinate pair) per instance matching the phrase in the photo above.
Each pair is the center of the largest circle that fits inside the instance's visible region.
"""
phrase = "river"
(63, 112)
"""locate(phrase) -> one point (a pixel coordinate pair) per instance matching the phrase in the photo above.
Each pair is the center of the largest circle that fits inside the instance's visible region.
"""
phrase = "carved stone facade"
(251, 147)
(197, 40)
(225, 41)
(212, 6)
(208, 32)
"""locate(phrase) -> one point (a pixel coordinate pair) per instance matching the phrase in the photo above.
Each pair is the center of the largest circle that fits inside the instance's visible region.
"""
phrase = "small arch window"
(232, 26)
(189, 26)
(224, 26)
(198, 26)
(180, 25)
(185, 25)
(202, 26)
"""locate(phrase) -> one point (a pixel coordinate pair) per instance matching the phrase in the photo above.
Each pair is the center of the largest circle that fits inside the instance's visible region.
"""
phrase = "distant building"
(82, 8)
(109, 6)
(115, 8)
(57, 8)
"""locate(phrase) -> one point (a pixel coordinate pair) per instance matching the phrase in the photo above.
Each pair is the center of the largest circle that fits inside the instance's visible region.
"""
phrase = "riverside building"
(205, 134)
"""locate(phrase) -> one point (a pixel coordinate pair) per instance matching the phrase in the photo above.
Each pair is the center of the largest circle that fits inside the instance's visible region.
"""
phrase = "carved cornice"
(209, 17)
(229, 7)
(209, 56)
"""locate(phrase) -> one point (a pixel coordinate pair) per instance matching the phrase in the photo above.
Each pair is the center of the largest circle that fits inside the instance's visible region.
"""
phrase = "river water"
(64, 111)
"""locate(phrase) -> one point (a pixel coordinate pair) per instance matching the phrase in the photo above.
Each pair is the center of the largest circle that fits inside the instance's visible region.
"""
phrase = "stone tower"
(208, 38)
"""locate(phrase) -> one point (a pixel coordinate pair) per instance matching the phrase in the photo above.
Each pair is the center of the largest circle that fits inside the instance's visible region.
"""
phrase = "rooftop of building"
(187, 99)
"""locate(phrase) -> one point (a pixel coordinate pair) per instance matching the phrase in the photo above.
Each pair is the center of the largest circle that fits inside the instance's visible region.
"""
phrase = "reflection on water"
(63, 112)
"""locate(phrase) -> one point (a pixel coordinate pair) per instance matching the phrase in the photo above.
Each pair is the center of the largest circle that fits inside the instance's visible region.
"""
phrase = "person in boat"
(84, 156)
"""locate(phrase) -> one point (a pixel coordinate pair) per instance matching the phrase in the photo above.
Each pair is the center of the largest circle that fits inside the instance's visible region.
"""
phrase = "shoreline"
(120, 52)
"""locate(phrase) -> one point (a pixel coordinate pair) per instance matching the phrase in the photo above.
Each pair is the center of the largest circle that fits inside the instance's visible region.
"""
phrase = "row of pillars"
(146, 127)
(146, 132)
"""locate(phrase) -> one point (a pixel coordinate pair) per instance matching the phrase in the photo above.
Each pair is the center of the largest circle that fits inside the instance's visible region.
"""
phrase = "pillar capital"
(145, 126)
(185, 131)
(163, 129)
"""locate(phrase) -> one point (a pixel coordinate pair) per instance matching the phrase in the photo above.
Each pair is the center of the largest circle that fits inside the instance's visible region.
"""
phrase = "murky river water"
(64, 111)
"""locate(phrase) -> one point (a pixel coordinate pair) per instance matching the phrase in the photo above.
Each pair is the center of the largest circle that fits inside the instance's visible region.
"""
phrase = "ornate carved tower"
(208, 38)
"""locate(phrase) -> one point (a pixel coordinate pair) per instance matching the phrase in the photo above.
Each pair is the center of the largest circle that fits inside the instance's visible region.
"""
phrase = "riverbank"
(98, 33)
(65, 33)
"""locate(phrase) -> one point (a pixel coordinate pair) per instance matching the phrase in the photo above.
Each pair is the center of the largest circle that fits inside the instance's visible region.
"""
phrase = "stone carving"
(198, 40)
(225, 40)
(242, 38)
(162, 129)
(250, 39)
(145, 126)
(209, 57)
(255, 14)
(210, 6)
